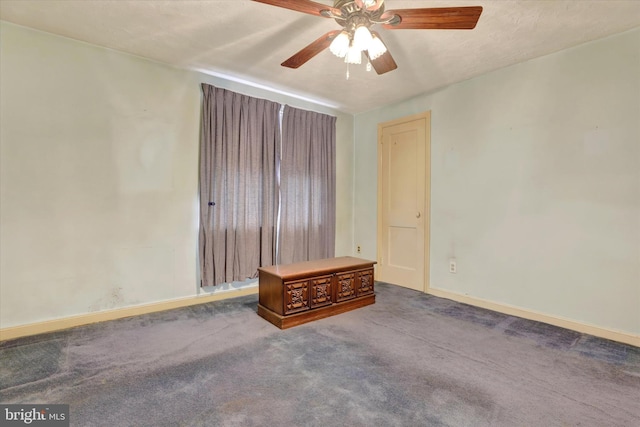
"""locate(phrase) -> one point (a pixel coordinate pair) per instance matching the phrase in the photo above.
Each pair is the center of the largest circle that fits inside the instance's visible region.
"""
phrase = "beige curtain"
(239, 148)
(307, 186)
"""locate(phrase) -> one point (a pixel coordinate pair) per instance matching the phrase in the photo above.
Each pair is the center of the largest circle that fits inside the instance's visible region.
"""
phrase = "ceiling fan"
(357, 17)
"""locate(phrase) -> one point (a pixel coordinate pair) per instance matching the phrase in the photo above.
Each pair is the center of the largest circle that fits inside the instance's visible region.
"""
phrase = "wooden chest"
(293, 294)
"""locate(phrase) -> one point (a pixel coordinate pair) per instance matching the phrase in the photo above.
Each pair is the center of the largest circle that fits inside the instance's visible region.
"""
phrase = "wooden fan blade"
(384, 63)
(311, 50)
(441, 18)
(304, 6)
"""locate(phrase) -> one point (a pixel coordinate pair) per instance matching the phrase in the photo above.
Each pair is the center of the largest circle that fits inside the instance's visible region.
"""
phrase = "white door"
(403, 201)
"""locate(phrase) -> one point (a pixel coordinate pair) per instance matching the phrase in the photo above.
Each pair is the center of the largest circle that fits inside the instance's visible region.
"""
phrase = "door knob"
(418, 215)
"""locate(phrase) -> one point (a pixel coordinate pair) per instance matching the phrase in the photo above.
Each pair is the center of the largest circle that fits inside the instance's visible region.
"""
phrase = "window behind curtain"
(241, 154)
(308, 186)
(240, 144)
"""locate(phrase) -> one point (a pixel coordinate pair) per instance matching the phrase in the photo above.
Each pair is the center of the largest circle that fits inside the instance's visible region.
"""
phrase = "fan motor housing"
(350, 11)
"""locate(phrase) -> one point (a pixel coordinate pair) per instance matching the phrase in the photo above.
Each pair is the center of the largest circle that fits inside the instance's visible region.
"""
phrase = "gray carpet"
(408, 360)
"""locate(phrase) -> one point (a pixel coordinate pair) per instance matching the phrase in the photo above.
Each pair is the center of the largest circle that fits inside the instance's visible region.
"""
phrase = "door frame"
(427, 197)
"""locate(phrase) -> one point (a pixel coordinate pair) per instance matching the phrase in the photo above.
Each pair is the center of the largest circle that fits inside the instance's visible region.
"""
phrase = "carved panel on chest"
(321, 291)
(346, 286)
(296, 294)
(365, 282)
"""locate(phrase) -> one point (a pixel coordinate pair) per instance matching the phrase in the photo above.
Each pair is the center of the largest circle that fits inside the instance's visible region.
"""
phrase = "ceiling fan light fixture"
(340, 45)
(376, 48)
(362, 38)
(369, 4)
(357, 16)
(354, 56)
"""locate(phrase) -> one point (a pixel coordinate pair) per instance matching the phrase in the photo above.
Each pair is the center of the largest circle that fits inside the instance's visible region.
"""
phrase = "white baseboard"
(540, 317)
(101, 316)
(118, 313)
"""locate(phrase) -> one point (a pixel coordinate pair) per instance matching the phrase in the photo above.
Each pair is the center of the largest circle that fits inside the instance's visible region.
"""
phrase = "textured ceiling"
(245, 40)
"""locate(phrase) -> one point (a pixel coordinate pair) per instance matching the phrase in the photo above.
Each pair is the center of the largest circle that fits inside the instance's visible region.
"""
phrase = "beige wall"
(99, 178)
(535, 184)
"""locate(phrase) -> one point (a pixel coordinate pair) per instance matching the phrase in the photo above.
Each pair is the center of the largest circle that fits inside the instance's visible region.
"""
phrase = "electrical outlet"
(358, 249)
(452, 266)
